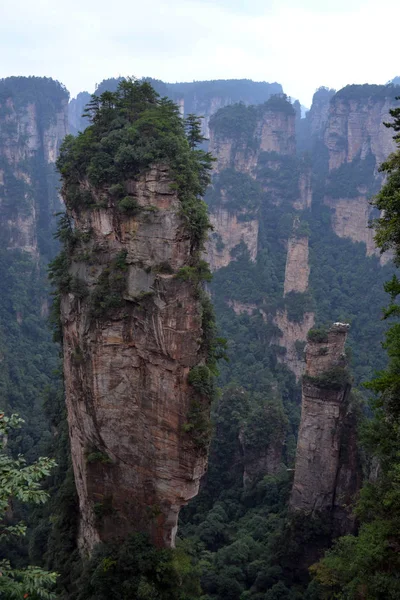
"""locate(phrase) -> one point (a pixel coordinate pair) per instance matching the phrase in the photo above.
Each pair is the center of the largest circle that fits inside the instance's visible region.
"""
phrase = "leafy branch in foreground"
(21, 481)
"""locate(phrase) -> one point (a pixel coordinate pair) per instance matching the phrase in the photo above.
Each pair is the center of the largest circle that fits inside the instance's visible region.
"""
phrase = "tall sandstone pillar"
(327, 473)
(132, 331)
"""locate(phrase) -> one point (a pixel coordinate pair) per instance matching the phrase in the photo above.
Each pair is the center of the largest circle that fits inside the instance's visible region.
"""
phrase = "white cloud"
(300, 43)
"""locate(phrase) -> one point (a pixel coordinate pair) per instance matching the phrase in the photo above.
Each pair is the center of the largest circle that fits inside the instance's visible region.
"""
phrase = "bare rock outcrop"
(229, 231)
(357, 142)
(32, 128)
(355, 128)
(327, 472)
(135, 457)
(271, 129)
(319, 111)
(293, 338)
(297, 269)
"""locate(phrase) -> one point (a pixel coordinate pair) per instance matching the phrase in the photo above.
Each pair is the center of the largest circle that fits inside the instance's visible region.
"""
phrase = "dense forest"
(237, 539)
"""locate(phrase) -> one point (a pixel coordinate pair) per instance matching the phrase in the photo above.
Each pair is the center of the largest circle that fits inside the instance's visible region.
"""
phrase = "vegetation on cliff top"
(45, 93)
(368, 91)
(21, 482)
(130, 130)
(239, 120)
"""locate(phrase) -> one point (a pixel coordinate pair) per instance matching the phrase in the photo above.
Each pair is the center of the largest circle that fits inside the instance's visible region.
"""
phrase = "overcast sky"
(302, 44)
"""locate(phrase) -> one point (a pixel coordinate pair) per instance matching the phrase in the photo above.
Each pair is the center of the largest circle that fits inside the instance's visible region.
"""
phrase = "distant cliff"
(259, 177)
(33, 123)
(136, 326)
(357, 142)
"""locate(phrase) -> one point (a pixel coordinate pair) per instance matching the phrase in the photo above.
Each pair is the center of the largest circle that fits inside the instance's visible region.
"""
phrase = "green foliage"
(136, 570)
(236, 120)
(200, 272)
(129, 205)
(130, 130)
(239, 121)
(241, 193)
(20, 481)
(200, 379)
(164, 268)
(333, 379)
(318, 335)
(351, 179)
(300, 347)
(110, 287)
(97, 456)
(193, 130)
(48, 95)
(279, 103)
(368, 91)
(297, 304)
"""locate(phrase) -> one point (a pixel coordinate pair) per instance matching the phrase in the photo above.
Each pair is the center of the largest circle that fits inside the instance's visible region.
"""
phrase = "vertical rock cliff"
(134, 322)
(33, 123)
(327, 473)
(357, 142)
(297, 269)
(317, 116)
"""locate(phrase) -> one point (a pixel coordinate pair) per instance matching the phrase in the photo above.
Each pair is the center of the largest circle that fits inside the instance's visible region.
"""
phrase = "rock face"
(297, 268)
(357, 140)
(33, 123)
(317, 116)
(270, 129)
(231, 231)
(271, 132)
(126, 371)
(327, 471)
(355, 127)
(293, 337)
(76, 108)
(276, 132)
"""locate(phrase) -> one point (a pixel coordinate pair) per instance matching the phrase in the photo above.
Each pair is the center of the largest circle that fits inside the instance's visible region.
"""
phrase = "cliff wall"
(229, 232)
(355, 125)
(357, 142)
(33, 123)
(317, 116)
(126, 371)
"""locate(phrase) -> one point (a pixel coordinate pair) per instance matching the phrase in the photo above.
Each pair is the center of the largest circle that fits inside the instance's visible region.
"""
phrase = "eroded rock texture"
(357, 142)
(126, 369)
(355, 128)
(229, 231)
(327, 471)
(297, 268)
(33, 123)
(293, 338)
